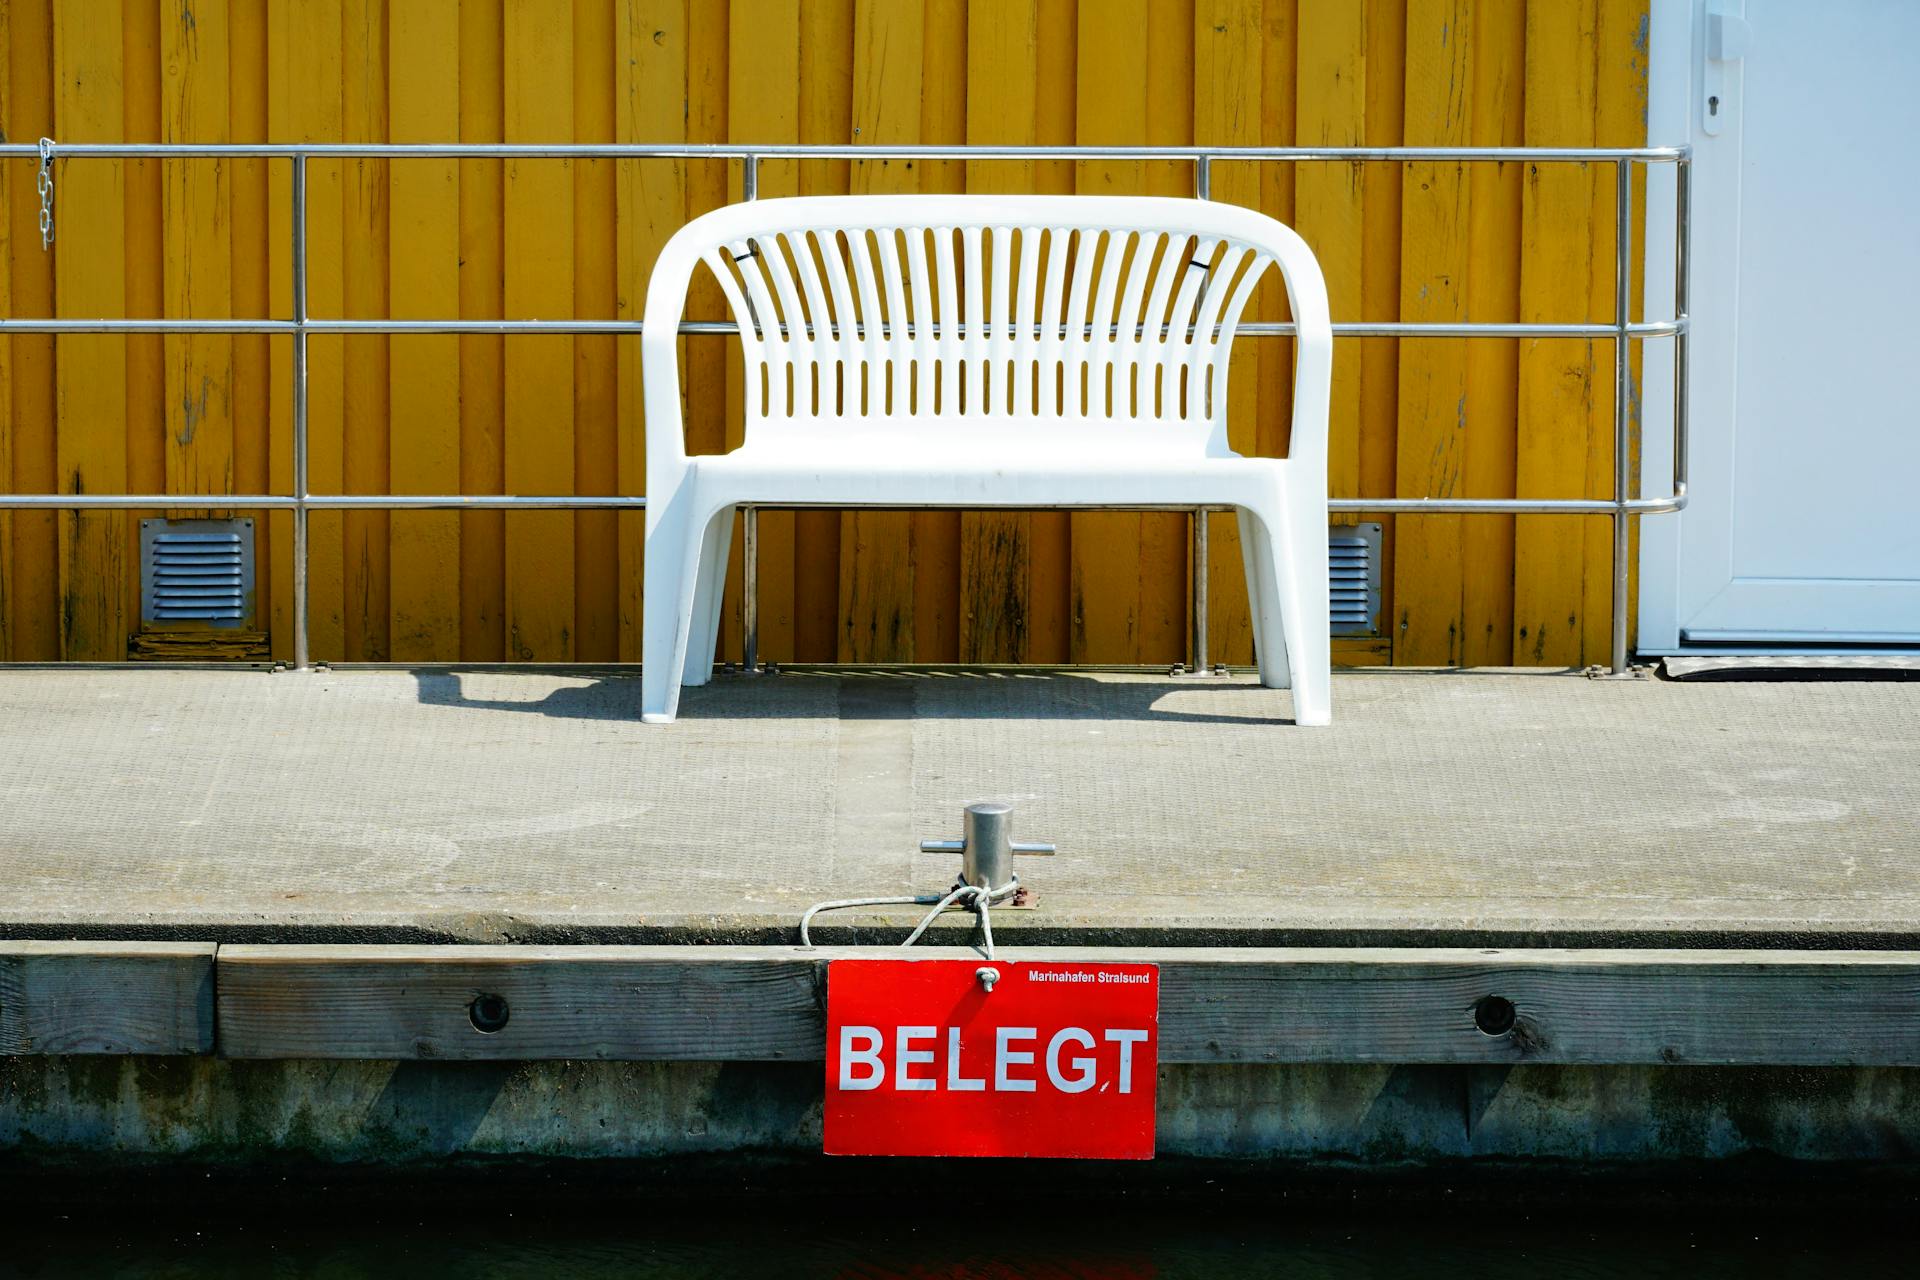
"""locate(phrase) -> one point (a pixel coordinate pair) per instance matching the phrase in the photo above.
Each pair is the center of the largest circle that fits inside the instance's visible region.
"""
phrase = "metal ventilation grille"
(1353, 570)
(196, 572)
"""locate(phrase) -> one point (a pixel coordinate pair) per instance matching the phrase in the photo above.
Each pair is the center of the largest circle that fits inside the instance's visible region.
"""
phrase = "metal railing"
(301, 326)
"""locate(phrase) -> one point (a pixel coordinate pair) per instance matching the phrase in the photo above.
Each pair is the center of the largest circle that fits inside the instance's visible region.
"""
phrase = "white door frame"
(1679, 84)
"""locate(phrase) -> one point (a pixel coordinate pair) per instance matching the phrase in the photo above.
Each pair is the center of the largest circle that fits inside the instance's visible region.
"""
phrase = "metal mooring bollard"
(986, 850)
(987, 846)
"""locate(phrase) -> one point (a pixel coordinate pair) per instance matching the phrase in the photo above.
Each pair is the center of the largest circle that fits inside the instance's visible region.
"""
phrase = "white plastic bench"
(986, 351)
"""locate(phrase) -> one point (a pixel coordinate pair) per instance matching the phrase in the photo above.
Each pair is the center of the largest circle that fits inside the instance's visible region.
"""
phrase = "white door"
(1803, 525)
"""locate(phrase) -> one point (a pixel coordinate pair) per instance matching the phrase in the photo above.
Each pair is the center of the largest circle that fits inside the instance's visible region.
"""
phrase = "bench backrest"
(966, 313)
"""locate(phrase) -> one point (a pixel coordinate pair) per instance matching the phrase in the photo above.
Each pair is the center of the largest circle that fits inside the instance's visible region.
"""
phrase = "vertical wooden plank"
(650, 80)
(1003, 68)
(1556, 374)
(91, 369)
(1228, 64)
(1493, 295)
(483, 464)
(147, 398)
(712, 364)
(1620, 120)
(539, 369)
(424, 282)
(1049, 533)
(33, 596)
(1329, 201)
(1595, 569)
(199, 248)
(937, 534)
(1165, 566)
(1112, 84)
(278, 597)
(1436, 266)
(364, 260)
(596, 458)
(763, 105)
(876, 547)
(826, 116)
(316, 101)
(1278, 112)
(708, 183)
(247, 187)
(304, 48)
(1380, 265)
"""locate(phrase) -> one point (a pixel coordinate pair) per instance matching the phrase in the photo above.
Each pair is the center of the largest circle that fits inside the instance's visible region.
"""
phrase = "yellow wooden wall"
(550, 414)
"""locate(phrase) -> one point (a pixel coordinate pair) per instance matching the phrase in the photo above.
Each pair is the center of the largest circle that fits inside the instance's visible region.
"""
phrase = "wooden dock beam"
(106, 998)
(766, 1004)
(1253, 1005)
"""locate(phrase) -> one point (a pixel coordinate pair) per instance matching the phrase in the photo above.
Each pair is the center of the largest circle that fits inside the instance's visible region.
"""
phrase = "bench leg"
(1286, 561)
(672, 575)
(1300, 551)
(710, 592)
(1263, 600)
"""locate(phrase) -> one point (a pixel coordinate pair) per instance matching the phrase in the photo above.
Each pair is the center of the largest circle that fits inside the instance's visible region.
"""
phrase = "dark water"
(1025, 1242)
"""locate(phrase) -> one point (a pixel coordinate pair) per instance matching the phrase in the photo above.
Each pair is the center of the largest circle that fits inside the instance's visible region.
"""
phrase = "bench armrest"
(1313, 346)
(660, 358)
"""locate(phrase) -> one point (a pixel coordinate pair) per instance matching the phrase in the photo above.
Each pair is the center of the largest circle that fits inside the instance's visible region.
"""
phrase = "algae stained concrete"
(221, 1113)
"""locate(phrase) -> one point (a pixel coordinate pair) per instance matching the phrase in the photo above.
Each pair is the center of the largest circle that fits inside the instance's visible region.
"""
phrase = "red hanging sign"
(1058, 1059)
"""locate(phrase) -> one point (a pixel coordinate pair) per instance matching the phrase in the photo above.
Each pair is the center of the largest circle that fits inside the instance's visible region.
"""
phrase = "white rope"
(806, 919)
(966, 897)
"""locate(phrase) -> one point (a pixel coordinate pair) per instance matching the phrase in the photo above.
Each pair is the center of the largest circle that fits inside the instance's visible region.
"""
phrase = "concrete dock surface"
(1441, 808)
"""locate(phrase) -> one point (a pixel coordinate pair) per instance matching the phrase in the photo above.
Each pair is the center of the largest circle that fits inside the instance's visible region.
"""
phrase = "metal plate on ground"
(1790, 667)
(925, 1058)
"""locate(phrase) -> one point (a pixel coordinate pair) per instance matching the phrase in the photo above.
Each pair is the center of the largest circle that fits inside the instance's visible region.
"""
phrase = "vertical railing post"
(1201, 665)
(750, 516)
(1622, 410)
(302, 658)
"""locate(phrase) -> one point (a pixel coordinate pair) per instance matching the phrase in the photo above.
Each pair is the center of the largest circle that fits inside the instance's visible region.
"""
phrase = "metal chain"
(46, 194)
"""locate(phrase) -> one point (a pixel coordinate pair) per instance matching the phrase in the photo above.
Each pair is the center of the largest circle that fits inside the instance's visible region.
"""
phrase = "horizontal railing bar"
(145, 502)
(823, 151)
(1506, 506)
(318, 502)
(695, 328)
(143, 325)
(475, 502)
(1345, 506)
(1285, 329)
(593, 502)
(1483, 329)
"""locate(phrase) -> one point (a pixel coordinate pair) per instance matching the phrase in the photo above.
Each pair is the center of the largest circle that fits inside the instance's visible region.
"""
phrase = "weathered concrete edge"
(439, 927)
(721, 1128)
(748, 1004)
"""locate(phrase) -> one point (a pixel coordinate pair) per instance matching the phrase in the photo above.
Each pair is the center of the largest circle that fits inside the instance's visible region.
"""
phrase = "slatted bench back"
(1036, 313)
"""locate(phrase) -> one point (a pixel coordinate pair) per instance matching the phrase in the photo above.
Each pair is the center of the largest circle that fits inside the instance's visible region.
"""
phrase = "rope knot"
(967, 897)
